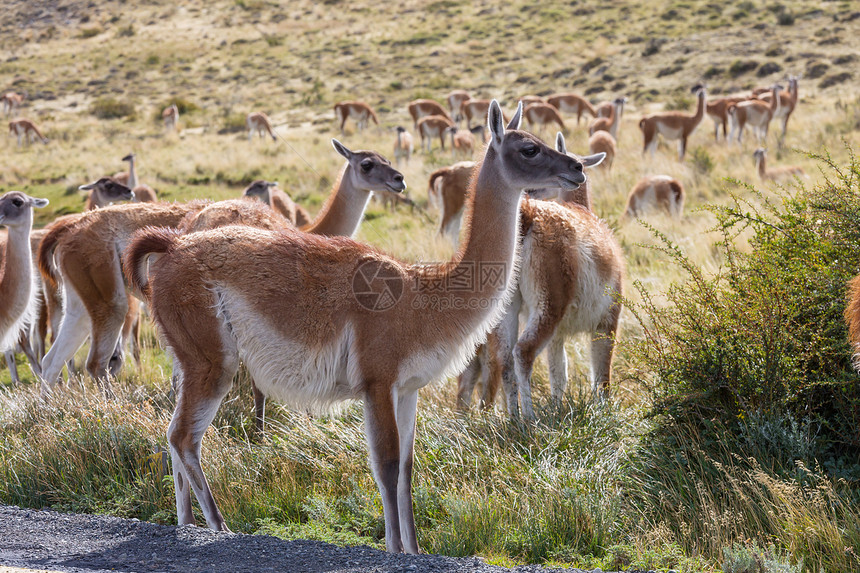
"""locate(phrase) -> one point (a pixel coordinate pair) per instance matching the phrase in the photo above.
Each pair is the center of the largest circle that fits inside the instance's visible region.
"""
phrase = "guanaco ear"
(559, 143)
(39, 202)
(592, 160)
(341, 148)
(88, 186)
(496, 124)
(518, 117)
(271, 183)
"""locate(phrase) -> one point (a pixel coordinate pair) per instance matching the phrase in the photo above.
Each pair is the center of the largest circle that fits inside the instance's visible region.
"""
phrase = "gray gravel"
(46, 539)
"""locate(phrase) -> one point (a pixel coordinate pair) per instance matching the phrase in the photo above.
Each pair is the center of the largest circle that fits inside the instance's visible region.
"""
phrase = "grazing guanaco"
(541, 115)
(269, 193)
(656, 192)
(570, 282)
(403, 146)
(474, 109)
(359, 111)
(455, 101)
(754, 113)
(603, 142)
(527, 100)
(26, 129)
(334, 320)
(432, 126)
(572, 103)
(611, 121)
(462, 141)
(424, 108)
(105, 191)
(447, 188)
(11, 102)
(780, 173)
(259, 123)
(672, 125)
(170, 116)
(18, 283)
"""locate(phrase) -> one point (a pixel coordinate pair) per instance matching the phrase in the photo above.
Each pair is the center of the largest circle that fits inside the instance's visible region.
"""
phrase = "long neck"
(16, 278)
(774, 102)
(132, 174)
(700, 110)
(760, 164)
(579, 196)
(342, 213)
(487, 256)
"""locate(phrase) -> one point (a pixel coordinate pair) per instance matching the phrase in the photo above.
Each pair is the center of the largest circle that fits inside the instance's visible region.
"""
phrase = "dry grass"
(294, 61)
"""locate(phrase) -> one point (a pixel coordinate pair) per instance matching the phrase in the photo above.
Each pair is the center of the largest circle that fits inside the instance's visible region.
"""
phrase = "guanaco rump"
(318, 320)
(656, 192)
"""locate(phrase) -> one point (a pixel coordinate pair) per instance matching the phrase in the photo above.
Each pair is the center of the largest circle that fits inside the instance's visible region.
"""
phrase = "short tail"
(144, 244)
(642, 124)
(45, 256)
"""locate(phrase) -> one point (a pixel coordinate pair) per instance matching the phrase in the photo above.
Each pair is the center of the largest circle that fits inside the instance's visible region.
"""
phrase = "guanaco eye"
(530, 151)
(366, 165)
(17, 202)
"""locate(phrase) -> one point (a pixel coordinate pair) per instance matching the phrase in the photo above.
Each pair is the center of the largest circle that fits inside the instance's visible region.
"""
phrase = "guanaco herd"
(317, 317)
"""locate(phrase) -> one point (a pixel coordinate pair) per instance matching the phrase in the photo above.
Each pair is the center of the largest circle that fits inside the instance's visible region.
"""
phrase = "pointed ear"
(559, 143)
(88, 186)
(40, 202)
(496, 124)
(592, 160)
(341, 148)
(518, 117)
(271, 183)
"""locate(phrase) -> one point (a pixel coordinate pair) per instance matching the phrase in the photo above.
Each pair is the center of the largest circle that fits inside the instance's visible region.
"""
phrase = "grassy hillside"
(586, 486)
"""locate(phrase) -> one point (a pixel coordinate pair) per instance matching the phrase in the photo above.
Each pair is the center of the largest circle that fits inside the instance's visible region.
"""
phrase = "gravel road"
(44, 539)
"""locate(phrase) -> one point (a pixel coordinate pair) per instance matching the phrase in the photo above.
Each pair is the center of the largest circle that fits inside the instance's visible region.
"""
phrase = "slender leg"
(467, 379)
(492, 375)
(602, 347)
(557, 366)
(380, 427)
(407, 405)
(539, 330)
(13, 367)
(507, 331)
(259, 408)
(74, 329)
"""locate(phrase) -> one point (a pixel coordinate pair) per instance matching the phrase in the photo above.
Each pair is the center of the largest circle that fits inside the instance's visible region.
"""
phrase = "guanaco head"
(129, 157)
(16, 209)
(400, 129)
(370, 171)
(547, 193)
(525, 161)
(107, 191)
(759, 154)
(260, 189)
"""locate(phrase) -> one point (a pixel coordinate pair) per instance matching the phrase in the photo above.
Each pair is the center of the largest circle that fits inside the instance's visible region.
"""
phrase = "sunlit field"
(707, 457)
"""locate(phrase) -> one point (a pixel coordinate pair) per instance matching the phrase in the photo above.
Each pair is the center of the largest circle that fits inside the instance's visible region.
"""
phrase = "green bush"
(112, 108)
(766, 334)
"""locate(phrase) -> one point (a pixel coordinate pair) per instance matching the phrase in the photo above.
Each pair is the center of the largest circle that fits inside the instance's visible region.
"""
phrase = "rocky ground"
(94, 544)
